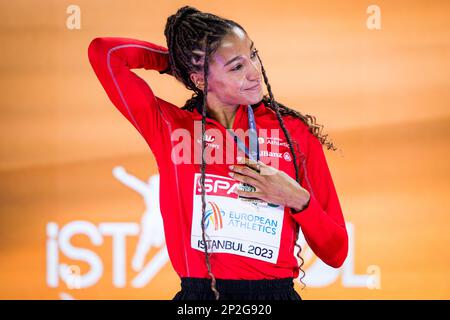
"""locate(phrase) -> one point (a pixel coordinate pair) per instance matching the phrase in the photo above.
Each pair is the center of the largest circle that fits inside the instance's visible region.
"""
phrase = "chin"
(257, 99)
(254, 98)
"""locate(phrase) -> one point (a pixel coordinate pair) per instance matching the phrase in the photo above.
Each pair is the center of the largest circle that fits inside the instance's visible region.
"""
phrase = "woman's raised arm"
(112, 59)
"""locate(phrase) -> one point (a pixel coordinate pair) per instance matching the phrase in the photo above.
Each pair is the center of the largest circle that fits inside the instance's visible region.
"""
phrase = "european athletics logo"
(214, 216)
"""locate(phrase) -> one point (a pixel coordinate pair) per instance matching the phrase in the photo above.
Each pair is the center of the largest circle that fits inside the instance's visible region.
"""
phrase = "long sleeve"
(322, 221)
(112, 59)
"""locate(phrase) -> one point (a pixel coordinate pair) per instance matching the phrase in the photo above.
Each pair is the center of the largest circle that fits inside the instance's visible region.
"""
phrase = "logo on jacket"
(209, 139)
(214, 216)
(276, 141)
(287, 156)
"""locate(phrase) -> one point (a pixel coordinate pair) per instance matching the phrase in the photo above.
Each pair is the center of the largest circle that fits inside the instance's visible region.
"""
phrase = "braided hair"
(192, 35)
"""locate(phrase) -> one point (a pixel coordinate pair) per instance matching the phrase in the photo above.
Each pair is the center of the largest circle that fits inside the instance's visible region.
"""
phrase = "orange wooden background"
(383, 96)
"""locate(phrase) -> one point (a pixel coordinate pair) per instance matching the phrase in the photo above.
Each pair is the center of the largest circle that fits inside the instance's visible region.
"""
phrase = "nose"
(254, 71)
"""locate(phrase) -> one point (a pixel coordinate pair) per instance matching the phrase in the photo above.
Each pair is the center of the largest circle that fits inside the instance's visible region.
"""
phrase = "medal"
(253, 154)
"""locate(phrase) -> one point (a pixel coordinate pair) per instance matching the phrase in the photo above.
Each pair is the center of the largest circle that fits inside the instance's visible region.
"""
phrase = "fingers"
(249, 162)
(256, 165)
(248, 194)
(245, 179)
(261, 168)
(246, 171)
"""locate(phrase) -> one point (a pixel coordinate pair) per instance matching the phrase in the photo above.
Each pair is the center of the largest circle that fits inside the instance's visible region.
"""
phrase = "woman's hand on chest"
(272, 185)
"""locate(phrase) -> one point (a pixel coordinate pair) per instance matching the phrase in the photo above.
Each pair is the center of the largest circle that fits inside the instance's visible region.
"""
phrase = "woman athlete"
(241, 215)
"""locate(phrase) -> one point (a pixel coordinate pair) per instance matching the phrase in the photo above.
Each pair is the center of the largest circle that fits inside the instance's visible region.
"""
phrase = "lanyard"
(253, 153)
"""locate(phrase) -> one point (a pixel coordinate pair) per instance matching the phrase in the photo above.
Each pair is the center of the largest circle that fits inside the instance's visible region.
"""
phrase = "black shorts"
(200, 289)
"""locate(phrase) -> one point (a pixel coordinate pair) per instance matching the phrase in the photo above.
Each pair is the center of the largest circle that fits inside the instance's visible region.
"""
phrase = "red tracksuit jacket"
(247, 241)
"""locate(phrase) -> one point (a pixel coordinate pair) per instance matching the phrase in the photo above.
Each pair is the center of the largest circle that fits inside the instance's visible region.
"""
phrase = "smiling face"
(233, 69)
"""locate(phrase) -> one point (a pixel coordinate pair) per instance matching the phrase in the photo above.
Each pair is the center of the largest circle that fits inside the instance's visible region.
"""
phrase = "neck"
(224, 114)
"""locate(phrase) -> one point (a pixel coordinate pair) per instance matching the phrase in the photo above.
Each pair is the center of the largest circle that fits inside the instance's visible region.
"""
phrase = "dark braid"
(274, 106)
(188, 35)
(208, 263)
(191, 35)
